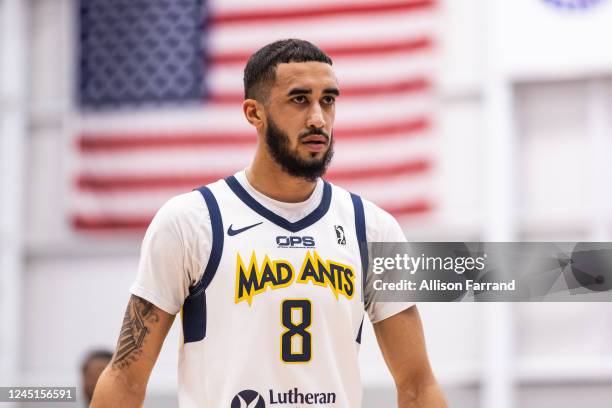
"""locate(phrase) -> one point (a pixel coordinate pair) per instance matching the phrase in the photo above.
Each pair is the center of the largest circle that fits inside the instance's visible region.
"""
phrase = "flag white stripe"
(335, 30)
(241, 6)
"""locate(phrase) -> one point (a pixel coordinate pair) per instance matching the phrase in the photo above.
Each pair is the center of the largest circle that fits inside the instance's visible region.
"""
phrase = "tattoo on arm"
(134, 330)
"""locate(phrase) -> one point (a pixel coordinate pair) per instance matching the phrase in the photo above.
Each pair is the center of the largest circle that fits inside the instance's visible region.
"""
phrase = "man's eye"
(299, 99)
(329, 100)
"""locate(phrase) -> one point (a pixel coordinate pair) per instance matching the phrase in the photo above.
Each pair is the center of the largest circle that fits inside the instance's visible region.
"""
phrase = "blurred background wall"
(522, 113)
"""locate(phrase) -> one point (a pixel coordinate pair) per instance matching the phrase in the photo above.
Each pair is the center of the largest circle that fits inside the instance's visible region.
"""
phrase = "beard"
(290, 161)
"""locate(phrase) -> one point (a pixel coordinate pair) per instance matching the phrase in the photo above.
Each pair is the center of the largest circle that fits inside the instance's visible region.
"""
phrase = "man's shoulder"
(182, 211)
(185, 202)
(381, 225)
(377, 216)
(378, 221)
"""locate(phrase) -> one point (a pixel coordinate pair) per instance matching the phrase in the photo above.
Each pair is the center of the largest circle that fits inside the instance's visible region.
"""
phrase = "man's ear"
(254, 113)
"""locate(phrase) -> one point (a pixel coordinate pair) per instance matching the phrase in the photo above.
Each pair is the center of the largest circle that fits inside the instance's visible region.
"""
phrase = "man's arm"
(402, 343)
(124, 381)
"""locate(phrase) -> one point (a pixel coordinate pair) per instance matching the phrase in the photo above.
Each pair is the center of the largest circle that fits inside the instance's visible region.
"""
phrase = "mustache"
(316, 131)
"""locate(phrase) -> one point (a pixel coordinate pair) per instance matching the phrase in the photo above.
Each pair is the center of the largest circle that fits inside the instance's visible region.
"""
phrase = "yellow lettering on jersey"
(339, 277)
(255, 279)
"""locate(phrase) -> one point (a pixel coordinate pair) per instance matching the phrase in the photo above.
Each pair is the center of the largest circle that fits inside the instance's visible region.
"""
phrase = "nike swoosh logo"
(231, 232)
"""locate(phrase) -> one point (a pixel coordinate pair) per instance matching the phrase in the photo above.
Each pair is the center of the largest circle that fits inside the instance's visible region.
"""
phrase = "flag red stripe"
(403, 45)
(110, 223)
(302, 13)
(90, 223)
(102, 142)
(412, 208)
(380, 172)
(187, 181)
(392, 88)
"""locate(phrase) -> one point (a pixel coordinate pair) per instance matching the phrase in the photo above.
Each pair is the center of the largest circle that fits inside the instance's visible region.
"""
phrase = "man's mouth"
(315, 143)
(315, 140)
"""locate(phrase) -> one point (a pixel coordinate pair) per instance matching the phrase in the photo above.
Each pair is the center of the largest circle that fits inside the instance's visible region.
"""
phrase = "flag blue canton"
(135, 52)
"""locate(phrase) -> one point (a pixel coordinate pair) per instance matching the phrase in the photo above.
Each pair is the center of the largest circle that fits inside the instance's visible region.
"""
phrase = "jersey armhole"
(193, 312)
(362, 241)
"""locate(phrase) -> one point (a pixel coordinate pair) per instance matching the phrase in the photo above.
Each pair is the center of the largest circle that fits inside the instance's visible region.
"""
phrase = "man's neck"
(269, 179)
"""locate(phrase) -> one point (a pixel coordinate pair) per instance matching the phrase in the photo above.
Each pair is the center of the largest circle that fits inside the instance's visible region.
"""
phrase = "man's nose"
(315, 117)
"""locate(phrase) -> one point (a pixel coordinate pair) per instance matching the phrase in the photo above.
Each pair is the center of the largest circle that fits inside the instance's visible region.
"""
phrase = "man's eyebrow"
(299, 91)
(333, 91)
(307, 91)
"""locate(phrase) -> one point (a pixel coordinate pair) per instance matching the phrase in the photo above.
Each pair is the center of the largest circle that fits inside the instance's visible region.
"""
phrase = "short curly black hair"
(260, 70)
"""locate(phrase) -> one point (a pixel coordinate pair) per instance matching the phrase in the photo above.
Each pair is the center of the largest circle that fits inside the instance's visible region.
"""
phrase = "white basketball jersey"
(271, 307)
(276, 319)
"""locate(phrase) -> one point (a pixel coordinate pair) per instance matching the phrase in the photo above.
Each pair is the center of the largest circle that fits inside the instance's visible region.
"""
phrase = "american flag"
(160, 91)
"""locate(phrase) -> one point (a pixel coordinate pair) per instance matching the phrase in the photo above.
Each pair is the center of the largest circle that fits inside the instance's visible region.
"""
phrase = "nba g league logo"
(248, 399)
(340, 237)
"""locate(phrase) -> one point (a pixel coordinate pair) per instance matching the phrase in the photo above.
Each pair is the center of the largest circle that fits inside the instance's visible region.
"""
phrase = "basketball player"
(266, 270)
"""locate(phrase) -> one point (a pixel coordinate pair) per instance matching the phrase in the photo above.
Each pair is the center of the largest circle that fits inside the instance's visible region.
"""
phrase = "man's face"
(300, 117)
(91, 374)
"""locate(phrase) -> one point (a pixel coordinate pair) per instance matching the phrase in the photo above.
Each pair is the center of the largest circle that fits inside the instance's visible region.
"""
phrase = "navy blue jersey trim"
(360, 227)
(217, 238)
(358, 339)
(194, 307)
(305, 222)
(194, 317)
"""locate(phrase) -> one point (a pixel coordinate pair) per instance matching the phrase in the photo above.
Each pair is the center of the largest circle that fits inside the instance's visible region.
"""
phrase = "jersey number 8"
(296, 328)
